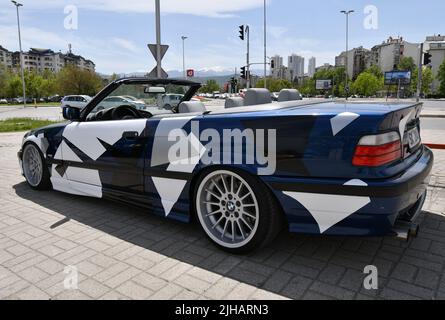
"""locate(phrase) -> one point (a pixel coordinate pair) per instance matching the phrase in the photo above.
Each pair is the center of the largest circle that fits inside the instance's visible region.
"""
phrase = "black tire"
(44, 182)
(270, 216)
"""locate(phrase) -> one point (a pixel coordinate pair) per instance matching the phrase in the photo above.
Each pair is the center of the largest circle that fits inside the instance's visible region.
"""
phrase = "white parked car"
(3, 101)
(169, 101)
(75, 101)
(116, 101)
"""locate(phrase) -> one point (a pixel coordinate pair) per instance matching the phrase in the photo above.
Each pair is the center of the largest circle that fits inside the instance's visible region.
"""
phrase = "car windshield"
(156, 99)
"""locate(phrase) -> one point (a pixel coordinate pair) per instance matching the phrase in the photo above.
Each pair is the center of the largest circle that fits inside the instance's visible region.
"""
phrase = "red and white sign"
(190, 73)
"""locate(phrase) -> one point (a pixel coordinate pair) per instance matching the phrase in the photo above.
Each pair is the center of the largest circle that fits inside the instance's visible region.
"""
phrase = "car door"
(103, 156)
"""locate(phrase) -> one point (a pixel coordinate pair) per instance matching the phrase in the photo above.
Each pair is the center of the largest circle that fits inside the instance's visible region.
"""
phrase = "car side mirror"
(70, 113)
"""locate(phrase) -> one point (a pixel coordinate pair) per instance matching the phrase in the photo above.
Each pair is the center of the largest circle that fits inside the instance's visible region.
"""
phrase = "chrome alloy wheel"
(227, 209)
(32, 165)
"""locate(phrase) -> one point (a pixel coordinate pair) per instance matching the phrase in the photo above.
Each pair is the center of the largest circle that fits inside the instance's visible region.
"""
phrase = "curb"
(435, 146)
(432, 115)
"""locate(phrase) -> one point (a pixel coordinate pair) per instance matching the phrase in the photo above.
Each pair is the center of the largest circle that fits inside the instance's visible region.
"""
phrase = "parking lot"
(126, 253)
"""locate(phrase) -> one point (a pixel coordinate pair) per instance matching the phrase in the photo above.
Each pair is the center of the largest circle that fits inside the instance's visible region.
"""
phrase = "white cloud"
(211, 8)
(119, 54)
(109, 54)
(125, 44)
(276, 31)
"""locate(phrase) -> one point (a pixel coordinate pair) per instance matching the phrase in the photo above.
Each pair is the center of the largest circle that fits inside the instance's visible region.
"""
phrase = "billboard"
(398, 77)
(323, 84)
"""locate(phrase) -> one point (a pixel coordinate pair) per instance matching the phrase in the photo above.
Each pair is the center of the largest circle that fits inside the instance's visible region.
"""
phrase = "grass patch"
(22, 124)
(39, 104)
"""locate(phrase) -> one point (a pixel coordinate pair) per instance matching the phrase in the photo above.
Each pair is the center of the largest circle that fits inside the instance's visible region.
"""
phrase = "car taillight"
(378, 150)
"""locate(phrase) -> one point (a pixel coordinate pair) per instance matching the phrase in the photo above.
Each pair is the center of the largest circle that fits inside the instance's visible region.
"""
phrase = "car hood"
(49, 128)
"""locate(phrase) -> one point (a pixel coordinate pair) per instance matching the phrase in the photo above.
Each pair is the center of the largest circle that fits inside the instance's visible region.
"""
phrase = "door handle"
(130, 135)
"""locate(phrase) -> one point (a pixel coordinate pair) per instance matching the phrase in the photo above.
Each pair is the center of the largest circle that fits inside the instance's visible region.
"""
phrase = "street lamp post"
(347, 13)
(265, 47)
(17, 5)
(183, 56)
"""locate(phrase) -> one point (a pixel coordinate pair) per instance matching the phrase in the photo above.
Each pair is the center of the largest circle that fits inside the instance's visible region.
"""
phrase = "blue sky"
(114, 33)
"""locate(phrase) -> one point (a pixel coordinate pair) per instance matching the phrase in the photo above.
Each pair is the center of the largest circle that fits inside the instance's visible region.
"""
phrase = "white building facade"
(311, 66)
(435, 45)
(295, 67)
(41, 60)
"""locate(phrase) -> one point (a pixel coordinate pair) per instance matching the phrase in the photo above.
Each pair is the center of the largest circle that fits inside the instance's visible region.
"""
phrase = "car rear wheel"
(236, 210)
(34, 168)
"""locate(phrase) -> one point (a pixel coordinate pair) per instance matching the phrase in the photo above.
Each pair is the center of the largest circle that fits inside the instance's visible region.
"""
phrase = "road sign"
(154, 73)
(190, 73)
(153, 50)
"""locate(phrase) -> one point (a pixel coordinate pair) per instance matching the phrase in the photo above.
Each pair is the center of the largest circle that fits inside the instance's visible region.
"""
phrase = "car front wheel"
(34, 168)
(236, 210)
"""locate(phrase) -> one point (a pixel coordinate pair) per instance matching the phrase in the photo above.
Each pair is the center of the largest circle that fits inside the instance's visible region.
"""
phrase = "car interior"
(153, 97)
(259, 96)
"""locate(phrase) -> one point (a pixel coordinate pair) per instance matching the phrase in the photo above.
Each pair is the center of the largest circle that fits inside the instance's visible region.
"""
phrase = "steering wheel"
(125, 112)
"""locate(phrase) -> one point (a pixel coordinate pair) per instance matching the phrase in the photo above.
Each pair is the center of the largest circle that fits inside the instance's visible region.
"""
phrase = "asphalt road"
(435, 124)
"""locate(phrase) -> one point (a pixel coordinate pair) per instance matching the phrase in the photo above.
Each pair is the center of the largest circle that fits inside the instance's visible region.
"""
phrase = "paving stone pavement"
(126, 253)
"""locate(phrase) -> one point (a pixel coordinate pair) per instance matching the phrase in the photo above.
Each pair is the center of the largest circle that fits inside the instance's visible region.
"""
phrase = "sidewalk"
(124, 253)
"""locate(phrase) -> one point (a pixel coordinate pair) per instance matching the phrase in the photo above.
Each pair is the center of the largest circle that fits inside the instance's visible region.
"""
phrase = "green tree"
(13, 86)
(441, 78)
(3, 81)
(407, 64)
(367, 84)
(308, 87)
(210, 86)
(375, 70)
(73, 80)
(274, 85)
(427, 80)
(338, 77)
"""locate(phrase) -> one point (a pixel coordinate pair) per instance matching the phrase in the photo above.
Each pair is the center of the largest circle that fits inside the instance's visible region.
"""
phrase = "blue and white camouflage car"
(331, 168)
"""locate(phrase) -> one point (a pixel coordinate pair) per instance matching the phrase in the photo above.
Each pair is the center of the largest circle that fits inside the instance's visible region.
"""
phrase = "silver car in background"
(75, 101)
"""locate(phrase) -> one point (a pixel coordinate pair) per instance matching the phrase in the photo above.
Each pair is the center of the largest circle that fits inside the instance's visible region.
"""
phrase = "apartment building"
(295, 67)
(311, 66)
(358, 60)
(388, 54)
(435, 45)
(44, 59)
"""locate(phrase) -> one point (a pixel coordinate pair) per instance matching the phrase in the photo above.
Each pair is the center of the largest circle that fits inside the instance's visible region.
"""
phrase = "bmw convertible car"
(244, 171)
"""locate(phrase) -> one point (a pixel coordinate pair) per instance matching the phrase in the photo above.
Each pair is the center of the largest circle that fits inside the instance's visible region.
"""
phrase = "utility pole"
(265, 46)
(17, 5)
(158, 39)
(248, 57)
(157, 49)
(419, 74)
(183, 56)
(347, 13)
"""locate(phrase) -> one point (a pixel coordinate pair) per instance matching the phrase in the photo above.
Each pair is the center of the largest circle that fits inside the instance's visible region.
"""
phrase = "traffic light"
(426, 59)
(243, 73)
(241, 32)
(272, 64)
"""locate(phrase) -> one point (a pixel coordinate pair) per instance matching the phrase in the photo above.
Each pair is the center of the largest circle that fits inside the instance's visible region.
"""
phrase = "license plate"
(413, 138)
